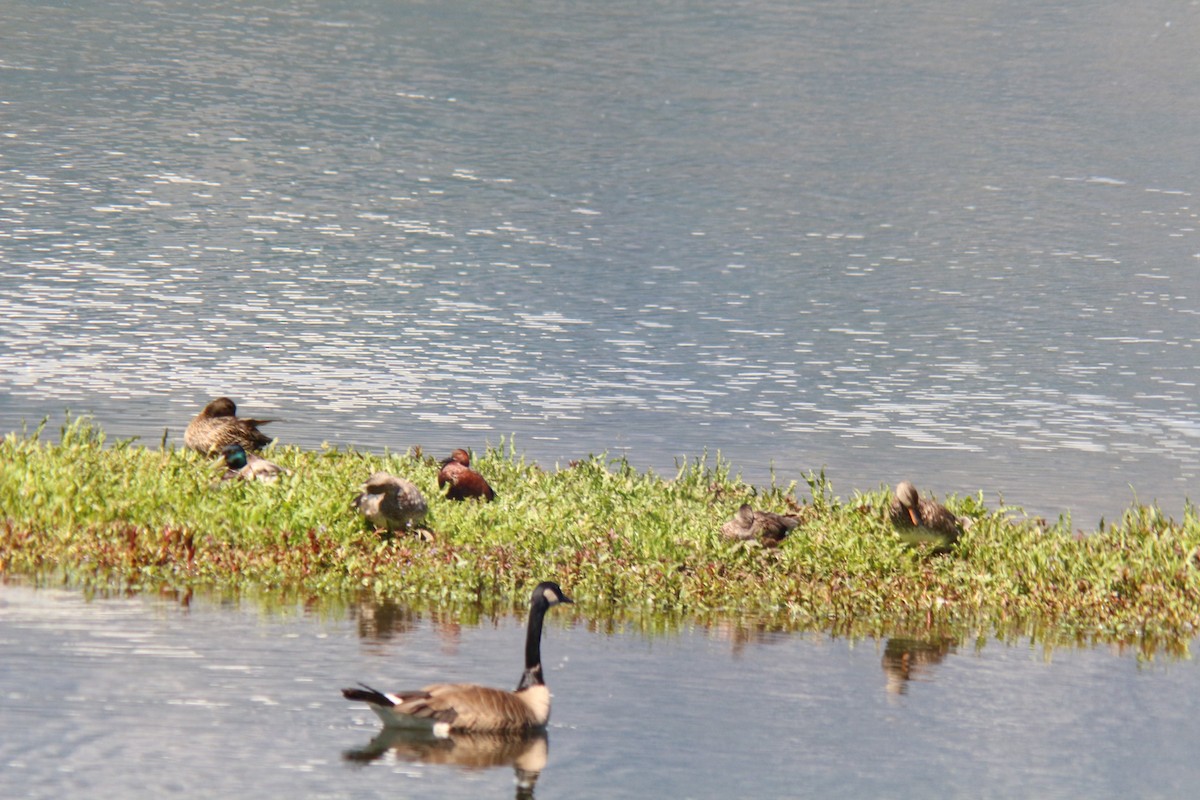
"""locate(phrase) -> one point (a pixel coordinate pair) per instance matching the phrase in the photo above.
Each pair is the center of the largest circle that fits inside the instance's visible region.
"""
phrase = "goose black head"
(550, 593)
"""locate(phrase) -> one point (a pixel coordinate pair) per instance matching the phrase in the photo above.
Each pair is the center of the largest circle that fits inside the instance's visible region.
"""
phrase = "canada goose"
(247, 466)
(463, 481)
(923, 519)
(766, 526)
(390, 502)
(218, 425)
(465, 707)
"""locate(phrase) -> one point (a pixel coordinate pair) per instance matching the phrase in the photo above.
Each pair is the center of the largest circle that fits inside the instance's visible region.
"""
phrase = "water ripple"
(390, 246)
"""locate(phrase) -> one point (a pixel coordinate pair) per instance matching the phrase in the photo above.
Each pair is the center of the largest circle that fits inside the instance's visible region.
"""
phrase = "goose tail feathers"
(368, 695)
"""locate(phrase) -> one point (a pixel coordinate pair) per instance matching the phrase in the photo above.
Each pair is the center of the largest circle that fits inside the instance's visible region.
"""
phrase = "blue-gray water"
(949, 241)
(145, 697)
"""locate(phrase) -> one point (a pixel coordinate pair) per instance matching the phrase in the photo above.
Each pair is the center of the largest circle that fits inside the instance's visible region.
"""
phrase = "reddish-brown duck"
(463, 481)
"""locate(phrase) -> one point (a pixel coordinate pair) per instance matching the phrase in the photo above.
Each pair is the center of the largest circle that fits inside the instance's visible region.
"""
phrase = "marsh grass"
(627, 544)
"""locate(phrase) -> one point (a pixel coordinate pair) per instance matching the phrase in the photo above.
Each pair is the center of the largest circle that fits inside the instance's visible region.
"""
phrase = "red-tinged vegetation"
(626, 542)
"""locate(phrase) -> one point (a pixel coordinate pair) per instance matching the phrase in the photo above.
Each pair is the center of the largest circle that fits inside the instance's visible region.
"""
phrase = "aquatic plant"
(626, 543)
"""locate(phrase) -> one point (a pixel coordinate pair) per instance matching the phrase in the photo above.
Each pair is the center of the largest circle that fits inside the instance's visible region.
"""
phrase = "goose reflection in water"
(906, 660)
(526, 752)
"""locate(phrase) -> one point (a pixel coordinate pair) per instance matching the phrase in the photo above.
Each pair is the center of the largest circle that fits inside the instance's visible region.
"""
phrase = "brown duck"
(765, 526)
(218, 426)
(391, 503)
(923, 519)
(463, 481)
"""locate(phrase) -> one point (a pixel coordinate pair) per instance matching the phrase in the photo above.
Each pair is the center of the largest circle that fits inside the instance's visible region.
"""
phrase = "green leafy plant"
(626, 543)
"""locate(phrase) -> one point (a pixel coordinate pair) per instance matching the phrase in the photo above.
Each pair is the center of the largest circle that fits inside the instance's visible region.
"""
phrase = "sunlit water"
(147, 697)
(953, 242)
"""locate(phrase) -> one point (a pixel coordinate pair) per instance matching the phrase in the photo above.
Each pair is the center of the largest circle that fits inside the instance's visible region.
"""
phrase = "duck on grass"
(121, 515)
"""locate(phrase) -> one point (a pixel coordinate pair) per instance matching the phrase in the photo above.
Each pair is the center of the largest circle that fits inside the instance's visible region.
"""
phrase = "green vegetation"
(626, 544)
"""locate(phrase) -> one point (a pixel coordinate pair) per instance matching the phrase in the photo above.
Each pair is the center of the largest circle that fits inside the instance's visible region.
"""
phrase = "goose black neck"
(533, 644)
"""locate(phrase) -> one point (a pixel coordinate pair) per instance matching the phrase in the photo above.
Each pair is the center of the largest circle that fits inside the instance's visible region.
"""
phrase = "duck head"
(459, 456)
(235, 456)
(909, 499)
(221, 407)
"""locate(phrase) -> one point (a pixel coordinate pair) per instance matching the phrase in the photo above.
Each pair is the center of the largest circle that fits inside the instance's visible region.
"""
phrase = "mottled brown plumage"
(765, 526)
(913, 514)
(463, 481)
(391, 503)
(470, 707)
(447, 707)
(218, 426)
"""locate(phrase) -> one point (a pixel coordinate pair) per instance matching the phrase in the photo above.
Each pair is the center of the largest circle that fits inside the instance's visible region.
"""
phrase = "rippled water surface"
(950, 241)
(150, 697)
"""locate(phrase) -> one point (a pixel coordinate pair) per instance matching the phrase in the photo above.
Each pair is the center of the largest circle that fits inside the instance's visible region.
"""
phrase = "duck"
(463, 481)
(446, 708)
(765, 526)
(218, 425)
(247, 466)
(391, 503)
(922, 519)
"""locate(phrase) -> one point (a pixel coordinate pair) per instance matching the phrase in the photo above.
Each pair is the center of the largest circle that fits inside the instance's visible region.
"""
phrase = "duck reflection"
(907, 659)
(379, 622)
(742, 633)
(526, 752)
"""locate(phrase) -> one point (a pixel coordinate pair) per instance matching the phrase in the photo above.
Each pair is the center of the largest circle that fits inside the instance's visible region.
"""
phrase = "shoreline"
(117, 514)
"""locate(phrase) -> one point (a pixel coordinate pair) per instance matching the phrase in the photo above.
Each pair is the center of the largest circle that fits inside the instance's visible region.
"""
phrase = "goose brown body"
(460, 707)
(463, 481)
(218, 426)
(766, 526)
(468, 707)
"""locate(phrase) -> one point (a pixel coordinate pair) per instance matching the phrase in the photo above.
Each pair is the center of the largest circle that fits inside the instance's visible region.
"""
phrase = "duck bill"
(912, 514)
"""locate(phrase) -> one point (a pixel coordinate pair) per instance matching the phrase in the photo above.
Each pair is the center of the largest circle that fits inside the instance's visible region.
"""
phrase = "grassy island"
(122, 515)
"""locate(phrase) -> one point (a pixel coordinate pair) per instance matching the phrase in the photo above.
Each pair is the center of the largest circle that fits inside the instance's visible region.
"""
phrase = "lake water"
(153, 697)
(955, 242)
